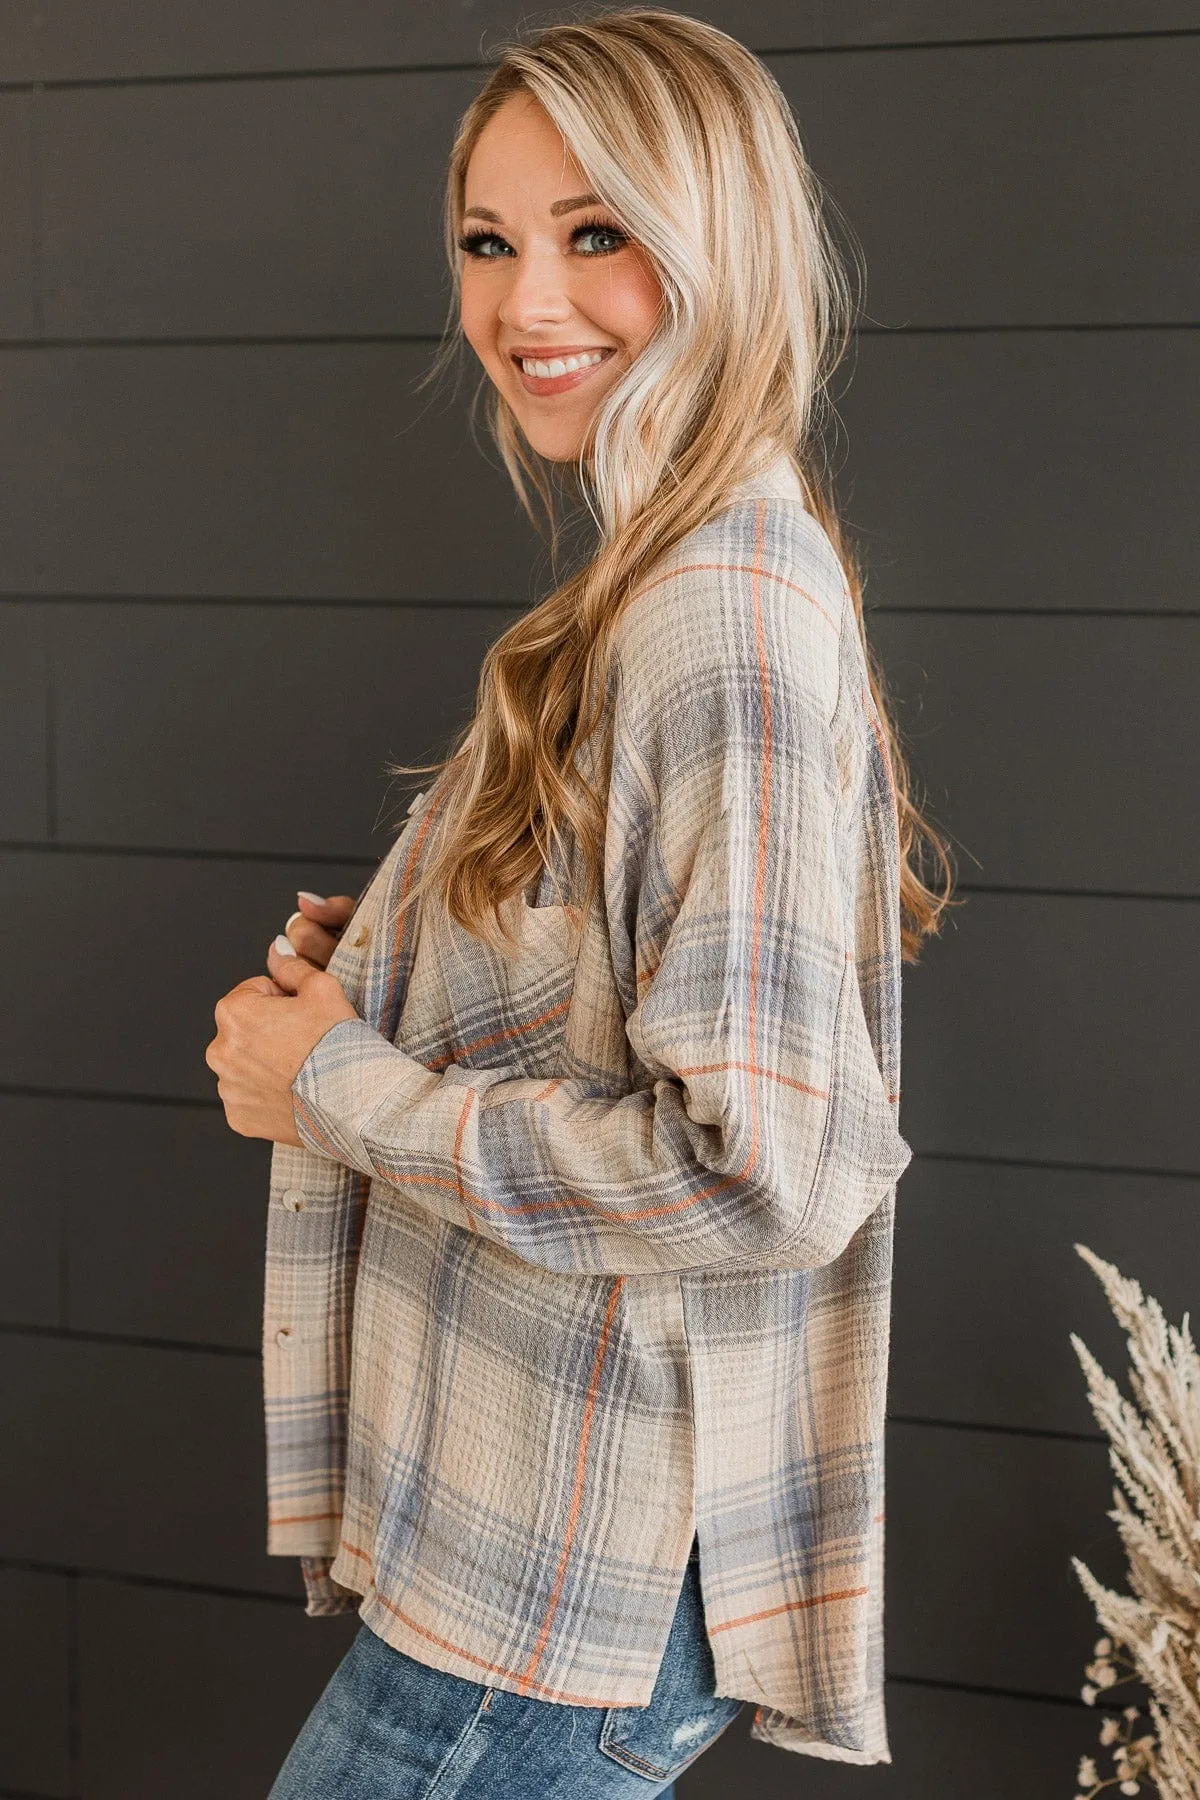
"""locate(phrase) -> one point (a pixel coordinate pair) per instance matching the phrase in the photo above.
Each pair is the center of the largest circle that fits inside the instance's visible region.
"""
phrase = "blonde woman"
(586, 1139)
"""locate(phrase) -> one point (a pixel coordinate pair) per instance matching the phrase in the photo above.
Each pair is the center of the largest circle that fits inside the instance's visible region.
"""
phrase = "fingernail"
(317, 899)
(295, 915)
(283, 946)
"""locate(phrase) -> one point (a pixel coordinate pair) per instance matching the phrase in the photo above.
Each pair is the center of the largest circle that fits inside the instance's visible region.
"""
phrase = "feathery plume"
(1153, 1633)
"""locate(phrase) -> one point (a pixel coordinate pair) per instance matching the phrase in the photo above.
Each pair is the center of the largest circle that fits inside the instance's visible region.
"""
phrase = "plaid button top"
(590, 1249)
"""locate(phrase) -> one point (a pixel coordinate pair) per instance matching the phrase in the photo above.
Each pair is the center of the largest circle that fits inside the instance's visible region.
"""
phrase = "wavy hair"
(685, 135)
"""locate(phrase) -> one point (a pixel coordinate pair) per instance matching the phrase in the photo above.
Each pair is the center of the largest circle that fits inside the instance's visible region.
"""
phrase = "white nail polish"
(317, 899)
(283, 947)
(294, 917)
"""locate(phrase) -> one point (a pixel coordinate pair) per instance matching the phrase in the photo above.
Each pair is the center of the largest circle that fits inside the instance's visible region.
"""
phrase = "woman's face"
(548, 278)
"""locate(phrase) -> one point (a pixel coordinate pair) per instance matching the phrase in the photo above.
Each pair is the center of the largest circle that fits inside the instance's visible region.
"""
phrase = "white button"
(416, 799)
(293, 1199)
(283, 1337)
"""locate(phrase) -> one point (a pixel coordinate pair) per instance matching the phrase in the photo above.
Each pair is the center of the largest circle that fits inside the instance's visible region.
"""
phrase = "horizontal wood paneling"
(230, 209)
(1056, 1029)
(358, 687)
(26, 502)
(221, 209)
(988, 1286)
(981, 1528)
(968, 217)
(945, 1745)
(18, 305)
(142, 1461)
(34, 1683)
(316, 471)
(77, 41)
(32, 1242)
(179, 1260)
(301, 472)
(120, 960)
(23, 723)
(1081, 782)
(18, 39)
(1031, 469)
(195, 1695)
(893, 21)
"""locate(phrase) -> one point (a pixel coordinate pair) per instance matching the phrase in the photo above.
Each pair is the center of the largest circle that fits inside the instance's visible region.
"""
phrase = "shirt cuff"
(342, 1081)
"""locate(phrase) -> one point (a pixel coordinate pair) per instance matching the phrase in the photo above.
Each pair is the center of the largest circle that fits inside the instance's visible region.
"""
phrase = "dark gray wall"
(224, 508)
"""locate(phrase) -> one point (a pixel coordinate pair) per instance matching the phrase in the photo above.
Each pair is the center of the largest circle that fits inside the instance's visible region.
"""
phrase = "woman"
(586, 1139)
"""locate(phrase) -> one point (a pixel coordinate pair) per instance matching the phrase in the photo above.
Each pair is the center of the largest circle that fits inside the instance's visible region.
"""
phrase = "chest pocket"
(473, 1005)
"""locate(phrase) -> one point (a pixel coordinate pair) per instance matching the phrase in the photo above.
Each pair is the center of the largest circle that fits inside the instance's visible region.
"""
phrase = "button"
(415, 801)
(292, 1198)
(364, 937)
(283, 1337)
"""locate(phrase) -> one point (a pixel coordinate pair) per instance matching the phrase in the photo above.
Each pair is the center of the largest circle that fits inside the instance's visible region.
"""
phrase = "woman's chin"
(554, 446)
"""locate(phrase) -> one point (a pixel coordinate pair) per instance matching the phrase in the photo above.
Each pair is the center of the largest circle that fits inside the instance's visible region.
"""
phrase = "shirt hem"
(800, 1742)
(435, 1652)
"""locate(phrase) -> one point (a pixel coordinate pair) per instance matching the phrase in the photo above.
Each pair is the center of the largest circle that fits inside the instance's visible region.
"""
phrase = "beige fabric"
(592, 1249)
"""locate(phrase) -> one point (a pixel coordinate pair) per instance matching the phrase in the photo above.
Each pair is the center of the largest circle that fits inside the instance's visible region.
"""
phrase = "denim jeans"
(389, 1728)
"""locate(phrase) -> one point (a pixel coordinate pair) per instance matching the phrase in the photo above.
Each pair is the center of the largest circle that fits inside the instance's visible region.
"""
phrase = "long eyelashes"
(474, 242)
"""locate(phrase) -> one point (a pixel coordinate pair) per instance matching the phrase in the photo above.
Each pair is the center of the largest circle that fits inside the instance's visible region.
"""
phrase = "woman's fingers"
(314, 929)
(331, 912)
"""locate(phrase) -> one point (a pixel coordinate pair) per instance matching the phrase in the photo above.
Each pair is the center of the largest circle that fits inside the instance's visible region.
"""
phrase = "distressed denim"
(389, 1728)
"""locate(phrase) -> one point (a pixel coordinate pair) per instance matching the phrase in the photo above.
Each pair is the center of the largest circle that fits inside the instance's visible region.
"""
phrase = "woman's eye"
(599, 240)
(590, 240)
(485, 244)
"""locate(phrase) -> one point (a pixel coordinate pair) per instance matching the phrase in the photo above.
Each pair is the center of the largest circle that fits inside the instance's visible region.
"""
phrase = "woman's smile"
(557, 368)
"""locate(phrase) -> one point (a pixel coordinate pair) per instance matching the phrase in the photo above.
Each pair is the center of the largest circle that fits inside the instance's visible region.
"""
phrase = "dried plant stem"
(1154, 1632)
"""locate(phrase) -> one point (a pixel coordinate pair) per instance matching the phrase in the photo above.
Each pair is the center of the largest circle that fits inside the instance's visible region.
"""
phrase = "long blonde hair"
(684, 134)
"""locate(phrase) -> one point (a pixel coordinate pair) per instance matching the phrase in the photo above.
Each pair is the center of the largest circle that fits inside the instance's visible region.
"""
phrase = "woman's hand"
(266, 1027)
(315, 929)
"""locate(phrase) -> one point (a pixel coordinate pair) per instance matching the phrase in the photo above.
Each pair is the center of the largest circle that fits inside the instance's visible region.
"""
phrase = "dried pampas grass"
(1154, 1632)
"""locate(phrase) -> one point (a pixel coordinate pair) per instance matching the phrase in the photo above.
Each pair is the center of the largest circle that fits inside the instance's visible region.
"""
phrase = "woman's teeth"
(560, 365)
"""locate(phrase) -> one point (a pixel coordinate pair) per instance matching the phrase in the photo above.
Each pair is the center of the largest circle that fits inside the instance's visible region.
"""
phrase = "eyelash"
(472, 241)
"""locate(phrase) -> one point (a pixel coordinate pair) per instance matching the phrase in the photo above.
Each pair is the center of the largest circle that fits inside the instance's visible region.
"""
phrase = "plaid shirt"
(590, 1249)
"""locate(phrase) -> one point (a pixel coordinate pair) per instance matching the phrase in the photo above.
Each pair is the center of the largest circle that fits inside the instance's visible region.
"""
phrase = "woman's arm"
(733, 861)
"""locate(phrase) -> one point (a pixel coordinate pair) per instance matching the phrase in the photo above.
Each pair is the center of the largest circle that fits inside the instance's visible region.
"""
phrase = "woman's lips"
(544, 385)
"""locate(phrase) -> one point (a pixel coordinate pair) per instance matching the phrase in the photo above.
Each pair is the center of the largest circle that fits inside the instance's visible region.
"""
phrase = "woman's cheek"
(477, 315)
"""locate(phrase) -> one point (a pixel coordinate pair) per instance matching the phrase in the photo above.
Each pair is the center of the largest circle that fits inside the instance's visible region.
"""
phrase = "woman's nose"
(535, 295)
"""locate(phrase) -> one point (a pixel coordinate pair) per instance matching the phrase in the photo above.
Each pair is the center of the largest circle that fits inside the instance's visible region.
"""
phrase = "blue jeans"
(389, 1728)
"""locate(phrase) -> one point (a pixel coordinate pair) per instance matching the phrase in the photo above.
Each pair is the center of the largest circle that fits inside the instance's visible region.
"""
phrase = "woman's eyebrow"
(557, 209)
(566, 206)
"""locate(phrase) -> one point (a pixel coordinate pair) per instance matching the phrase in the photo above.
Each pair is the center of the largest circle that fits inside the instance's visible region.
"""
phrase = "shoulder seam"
(744, 569)
(749, 568)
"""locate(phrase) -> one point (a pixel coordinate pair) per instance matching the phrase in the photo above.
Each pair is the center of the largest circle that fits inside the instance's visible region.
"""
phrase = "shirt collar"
(774, 479)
